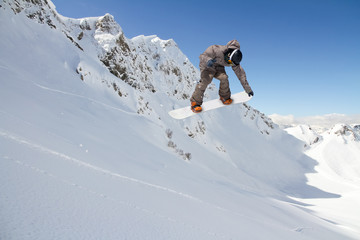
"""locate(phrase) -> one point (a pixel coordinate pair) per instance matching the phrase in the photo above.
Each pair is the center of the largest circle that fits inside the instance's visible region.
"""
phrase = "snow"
(304, 133)
(318, 123)
(337, 151)
(79, 161)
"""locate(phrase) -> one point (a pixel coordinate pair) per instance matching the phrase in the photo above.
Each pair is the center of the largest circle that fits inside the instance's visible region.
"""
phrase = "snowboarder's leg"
(206, 78)
(224, 88)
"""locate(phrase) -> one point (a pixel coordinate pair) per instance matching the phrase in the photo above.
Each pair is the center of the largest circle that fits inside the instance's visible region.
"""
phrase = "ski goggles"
(230, 62)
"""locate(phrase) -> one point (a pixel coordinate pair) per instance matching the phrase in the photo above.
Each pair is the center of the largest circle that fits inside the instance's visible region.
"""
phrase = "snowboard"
(185, 112)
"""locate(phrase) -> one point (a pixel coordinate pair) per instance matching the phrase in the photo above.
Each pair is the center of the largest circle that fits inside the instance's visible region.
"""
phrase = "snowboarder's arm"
(206, 56)
(241, 75)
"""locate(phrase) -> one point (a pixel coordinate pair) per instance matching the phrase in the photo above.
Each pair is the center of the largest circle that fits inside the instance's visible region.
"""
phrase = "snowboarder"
(212, 64)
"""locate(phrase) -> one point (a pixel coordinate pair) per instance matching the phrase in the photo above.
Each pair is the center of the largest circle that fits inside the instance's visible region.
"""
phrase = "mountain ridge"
(102, 155)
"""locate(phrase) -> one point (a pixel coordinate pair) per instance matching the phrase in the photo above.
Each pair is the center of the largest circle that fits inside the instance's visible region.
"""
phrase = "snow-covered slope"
(305, 133)
(337, 151)
(338, 147)
(319, 123)
(88, 151)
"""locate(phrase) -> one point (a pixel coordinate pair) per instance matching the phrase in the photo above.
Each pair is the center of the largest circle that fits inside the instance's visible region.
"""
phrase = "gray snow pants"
(207, 75)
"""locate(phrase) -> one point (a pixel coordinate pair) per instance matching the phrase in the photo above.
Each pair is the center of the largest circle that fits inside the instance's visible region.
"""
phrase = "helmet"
(235, 57)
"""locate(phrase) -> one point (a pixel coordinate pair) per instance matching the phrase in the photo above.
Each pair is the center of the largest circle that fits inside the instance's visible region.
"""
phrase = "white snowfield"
(337, 151)
(85, 154)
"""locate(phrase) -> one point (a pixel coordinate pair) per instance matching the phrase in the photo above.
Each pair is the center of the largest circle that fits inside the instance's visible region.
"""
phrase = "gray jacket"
(217, 52)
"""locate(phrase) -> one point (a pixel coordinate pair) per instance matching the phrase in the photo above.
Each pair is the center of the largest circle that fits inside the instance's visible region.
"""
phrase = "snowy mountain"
(318, 123)
(336, 148)
(88, 151)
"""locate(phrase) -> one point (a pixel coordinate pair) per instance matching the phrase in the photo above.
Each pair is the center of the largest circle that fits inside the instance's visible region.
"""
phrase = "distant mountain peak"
(345, 131)
(107, 24)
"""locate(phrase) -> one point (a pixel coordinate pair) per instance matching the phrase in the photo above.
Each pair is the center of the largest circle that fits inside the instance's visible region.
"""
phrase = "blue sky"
(300, 57)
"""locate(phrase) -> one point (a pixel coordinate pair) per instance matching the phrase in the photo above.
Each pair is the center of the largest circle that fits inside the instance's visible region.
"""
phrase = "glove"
(211, 62)
(251, 94)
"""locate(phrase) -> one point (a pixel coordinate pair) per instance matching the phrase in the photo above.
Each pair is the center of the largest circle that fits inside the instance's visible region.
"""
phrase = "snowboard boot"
(227, 101)
(196, 108)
